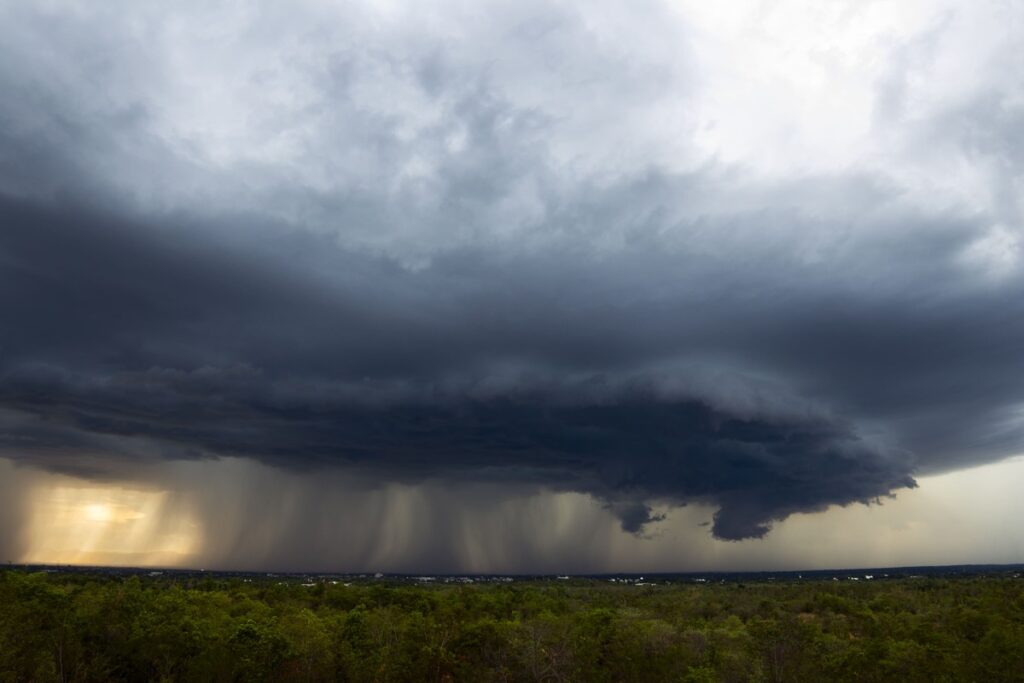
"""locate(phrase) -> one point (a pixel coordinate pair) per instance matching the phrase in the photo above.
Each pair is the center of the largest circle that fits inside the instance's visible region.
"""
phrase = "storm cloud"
(329, 238)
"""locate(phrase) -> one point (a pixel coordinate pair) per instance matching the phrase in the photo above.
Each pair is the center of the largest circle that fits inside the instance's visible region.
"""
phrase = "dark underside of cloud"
(626, 446)
(122, 341)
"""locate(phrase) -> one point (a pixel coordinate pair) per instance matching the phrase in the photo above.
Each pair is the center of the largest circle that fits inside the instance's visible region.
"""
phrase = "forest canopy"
(78, 626)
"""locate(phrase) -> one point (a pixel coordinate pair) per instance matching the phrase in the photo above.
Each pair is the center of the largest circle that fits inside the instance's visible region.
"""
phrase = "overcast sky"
(510, 286)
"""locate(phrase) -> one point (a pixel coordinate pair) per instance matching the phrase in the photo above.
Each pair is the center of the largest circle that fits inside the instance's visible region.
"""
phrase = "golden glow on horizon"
(76, 522)
(99, 513)
(240, 514)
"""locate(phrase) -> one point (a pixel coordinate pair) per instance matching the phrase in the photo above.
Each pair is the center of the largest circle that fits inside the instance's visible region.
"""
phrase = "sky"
(511, 286)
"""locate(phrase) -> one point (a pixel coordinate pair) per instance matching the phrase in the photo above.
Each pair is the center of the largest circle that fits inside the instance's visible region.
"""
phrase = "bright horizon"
(934, 525)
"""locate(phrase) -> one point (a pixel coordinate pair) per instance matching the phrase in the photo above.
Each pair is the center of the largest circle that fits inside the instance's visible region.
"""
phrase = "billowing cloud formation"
(509, 248)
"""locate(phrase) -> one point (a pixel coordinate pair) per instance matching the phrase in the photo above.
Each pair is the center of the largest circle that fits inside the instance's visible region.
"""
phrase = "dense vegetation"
(75, 627)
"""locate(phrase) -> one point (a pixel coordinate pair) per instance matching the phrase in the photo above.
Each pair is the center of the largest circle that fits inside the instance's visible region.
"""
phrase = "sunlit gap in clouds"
(71, 521)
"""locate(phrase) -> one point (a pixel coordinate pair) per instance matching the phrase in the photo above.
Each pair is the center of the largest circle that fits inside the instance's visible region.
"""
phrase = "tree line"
(72, 627)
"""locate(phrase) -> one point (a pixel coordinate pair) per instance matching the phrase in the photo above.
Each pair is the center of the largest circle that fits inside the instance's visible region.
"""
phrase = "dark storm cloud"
(487, 273)
(132, 341)
(623, 444)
